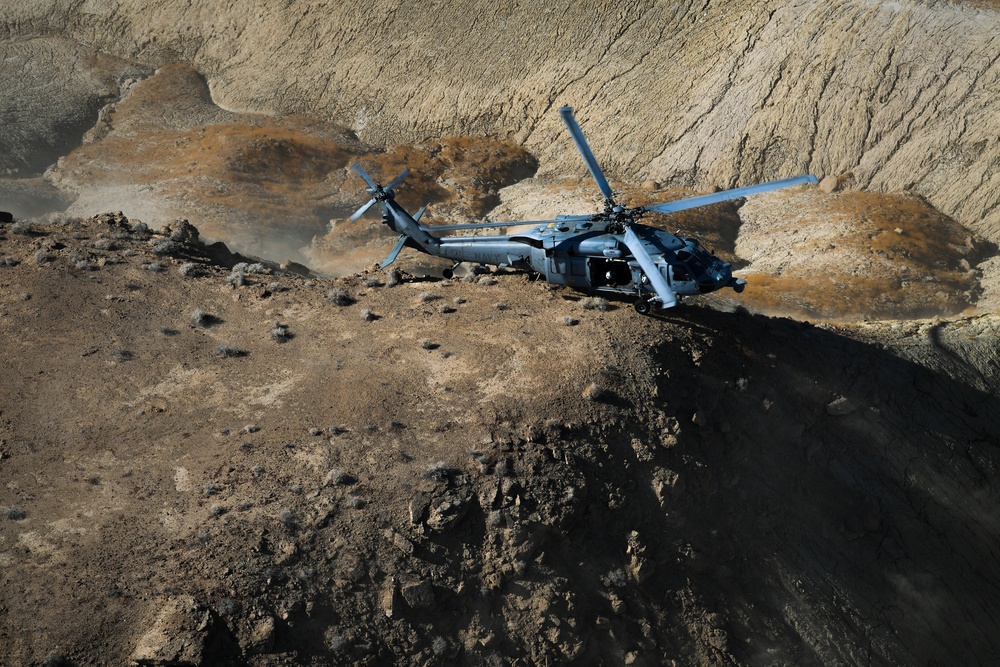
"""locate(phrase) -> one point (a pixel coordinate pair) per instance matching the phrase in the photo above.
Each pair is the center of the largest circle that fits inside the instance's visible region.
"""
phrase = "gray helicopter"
(600, 253)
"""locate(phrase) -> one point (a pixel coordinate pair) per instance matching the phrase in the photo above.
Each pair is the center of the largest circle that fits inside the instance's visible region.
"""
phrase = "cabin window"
(609, 272)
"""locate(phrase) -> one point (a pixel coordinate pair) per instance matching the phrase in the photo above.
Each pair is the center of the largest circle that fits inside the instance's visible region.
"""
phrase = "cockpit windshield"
(695, 268)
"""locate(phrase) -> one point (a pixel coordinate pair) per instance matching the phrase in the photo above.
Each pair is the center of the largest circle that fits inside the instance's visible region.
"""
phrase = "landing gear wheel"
(642, 307)
(448, 274)
(739, 288)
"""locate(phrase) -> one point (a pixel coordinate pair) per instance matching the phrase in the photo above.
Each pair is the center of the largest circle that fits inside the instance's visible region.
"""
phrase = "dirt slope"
(473, 473)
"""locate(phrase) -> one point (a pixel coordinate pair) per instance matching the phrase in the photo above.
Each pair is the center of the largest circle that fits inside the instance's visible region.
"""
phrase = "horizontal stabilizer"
(400, 242)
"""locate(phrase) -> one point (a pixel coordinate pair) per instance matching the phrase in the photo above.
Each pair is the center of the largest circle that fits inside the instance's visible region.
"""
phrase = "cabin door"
(568, 271)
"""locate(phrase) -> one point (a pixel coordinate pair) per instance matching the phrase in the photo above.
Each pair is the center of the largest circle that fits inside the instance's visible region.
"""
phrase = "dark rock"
(447, 512)
(418, 508)
(419, 595)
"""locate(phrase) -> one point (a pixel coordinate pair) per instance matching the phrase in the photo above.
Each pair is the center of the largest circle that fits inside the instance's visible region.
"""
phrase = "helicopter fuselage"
(588, 256)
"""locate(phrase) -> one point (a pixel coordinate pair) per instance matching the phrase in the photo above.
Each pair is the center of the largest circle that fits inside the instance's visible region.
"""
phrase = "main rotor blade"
(361, 211)
(667, 297)
(399, 179)
(361, 172)
(725, 195)
(588, 155)
(488, 225)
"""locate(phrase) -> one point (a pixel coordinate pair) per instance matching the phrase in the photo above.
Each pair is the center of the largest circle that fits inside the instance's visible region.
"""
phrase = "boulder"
(178, 637)
(182, 231)
(829, 184)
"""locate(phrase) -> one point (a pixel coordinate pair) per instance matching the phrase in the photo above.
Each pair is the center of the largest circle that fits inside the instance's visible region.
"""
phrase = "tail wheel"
(642, 306)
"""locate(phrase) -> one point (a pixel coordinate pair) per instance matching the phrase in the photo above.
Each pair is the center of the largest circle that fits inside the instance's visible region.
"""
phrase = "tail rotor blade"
(399, 179)
(375, 189)
(361, 211)
(588, 155)
(361, 172)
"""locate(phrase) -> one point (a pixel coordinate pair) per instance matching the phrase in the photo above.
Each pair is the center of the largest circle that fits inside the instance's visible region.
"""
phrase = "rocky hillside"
(251, 467)
(891, 96)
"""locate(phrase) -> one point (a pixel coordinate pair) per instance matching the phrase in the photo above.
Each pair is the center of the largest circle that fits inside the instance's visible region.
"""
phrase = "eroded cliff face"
(899, 95)
(54, 90)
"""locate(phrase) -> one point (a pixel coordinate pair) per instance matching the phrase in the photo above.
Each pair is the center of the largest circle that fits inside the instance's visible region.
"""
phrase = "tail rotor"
(376, 190)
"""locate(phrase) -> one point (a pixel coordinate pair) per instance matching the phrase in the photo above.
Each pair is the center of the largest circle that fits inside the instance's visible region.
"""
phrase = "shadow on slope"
(827, 501)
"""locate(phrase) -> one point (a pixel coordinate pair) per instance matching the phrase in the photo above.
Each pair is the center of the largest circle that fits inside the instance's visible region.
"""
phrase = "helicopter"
(607, 252)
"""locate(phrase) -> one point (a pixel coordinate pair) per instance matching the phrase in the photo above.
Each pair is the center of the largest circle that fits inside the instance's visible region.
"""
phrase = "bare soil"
(473, 472)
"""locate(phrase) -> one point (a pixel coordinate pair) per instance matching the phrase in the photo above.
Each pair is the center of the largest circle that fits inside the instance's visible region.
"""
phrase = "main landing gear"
(642, 306)
(478, 270)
